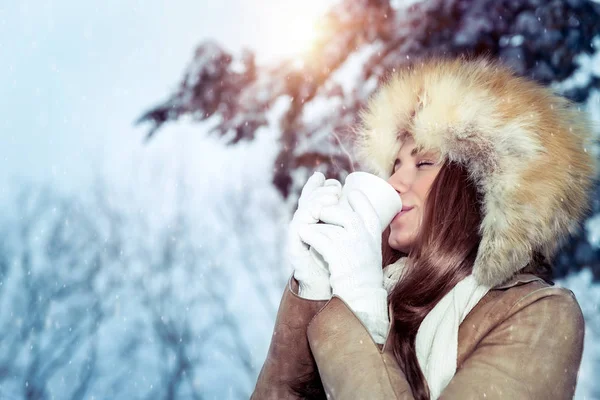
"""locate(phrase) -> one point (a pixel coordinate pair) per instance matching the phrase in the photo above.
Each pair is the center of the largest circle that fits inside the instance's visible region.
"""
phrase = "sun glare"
(293, 28)
(299, 36)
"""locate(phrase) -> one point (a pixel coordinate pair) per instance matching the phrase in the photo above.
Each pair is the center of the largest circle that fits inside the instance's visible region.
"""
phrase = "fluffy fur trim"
(528, 151)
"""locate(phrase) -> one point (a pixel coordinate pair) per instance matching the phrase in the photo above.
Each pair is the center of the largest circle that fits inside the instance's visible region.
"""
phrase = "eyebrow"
(415, 151)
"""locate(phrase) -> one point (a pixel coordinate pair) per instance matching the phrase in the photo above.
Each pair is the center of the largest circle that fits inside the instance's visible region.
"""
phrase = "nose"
(399, 181)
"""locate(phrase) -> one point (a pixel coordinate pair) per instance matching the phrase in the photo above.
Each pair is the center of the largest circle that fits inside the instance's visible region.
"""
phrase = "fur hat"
(527, 150)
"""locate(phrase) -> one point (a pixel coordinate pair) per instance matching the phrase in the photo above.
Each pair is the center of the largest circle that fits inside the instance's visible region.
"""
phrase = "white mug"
(384, 198)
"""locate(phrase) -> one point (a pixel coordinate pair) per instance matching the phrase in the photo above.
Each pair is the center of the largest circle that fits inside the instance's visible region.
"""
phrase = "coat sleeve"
(534, 353)
(289, 356)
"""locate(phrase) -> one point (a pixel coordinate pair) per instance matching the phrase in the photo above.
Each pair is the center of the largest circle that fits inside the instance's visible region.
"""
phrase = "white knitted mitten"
(311, 272)
(350, 243)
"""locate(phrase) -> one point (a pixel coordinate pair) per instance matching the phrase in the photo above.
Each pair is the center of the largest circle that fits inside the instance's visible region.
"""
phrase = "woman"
(494, 173)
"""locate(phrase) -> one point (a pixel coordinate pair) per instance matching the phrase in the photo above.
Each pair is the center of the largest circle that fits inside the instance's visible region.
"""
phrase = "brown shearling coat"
(523, 340)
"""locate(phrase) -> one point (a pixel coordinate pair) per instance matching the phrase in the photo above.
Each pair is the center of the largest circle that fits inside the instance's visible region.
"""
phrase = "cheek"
(421, 190)
(422, 185)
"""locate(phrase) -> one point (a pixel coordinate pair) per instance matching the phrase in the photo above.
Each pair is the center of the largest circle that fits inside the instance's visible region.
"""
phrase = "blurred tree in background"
(102, 301)
(313, 102)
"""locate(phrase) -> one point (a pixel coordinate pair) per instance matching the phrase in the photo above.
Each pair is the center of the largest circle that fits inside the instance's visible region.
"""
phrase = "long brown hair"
(442, 256)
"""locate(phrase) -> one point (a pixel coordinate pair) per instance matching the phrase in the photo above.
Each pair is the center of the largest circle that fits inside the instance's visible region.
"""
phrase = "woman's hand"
(350, 243)
(311, 272)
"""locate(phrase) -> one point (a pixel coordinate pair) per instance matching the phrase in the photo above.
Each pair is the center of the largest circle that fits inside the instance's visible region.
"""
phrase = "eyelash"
(419, 164)
(424, 163)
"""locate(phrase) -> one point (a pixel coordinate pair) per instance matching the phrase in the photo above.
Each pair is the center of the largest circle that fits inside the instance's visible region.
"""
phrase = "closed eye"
(419, 164)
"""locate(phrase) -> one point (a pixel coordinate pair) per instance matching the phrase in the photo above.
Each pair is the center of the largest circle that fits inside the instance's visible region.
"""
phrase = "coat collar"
(393, 272)
(517, 280)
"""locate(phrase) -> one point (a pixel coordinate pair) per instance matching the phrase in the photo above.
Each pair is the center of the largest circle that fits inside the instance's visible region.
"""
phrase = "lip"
(404, 211)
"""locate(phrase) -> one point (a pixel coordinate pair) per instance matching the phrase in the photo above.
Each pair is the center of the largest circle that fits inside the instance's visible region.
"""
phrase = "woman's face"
(412, 177)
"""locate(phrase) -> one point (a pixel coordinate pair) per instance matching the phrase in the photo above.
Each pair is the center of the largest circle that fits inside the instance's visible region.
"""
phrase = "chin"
(400, 244)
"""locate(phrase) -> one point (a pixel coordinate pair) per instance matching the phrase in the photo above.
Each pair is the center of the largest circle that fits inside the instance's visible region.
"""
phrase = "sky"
(75, 76)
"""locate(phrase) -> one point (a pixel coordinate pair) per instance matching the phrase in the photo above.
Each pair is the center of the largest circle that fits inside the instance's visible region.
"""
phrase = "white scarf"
(437, 338)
